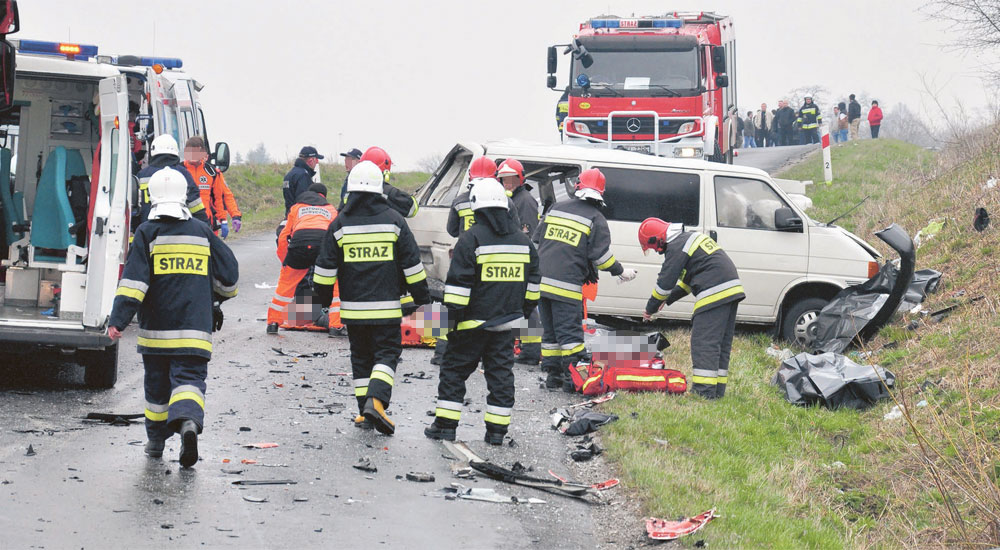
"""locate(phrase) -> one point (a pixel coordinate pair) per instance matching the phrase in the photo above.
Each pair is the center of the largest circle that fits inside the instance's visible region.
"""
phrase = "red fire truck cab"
(661, 85)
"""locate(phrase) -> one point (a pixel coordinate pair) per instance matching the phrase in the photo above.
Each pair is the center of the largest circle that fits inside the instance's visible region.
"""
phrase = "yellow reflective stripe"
(590, 381)
(684, 285)
(551, 352)
(173, 343)
(447, 413)
(658, 296)
(156, 416)
(415, 208)
(532, 295)
(181, 396)
(370, 313)
(531, 339)
(416, 278)
(497, 419)
(199, 249)
(723, 379)
(465, 212)
(697, 242)
(632, 378)
(367, 238)
(361, 392)
(406, 300)
(718, 296)
(611, 261)
(503, 257)
(552, 219)
(456, 299)
(675, 380)
(130, 293)
(324, 280)
(383, 376)
(574, 350)
(198, 208)
(709, 380)
(465, 325)
(561, 292)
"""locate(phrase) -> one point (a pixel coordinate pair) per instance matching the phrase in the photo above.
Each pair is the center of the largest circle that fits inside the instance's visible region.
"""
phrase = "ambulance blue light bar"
(167, 62)
(81, 52)
(636, 23)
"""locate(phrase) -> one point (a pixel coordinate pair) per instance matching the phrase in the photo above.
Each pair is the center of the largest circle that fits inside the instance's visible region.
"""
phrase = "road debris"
(265, 482)
(981, 220)
(365, 465)
(661, 529)
(262, 445)
(482, 494)
(586, 451)
(114, 419)
(419, 375)
(462, 452)
(602, 486)
(298, 354)
(595, 401)
(257, 500)
(580, 421)
(833, 380)
(421, 477)
(264, 286)
(31, 451)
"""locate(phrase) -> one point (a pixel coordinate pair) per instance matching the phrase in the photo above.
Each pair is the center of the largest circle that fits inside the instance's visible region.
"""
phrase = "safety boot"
(553, 381)
(361, 422)
(272, 328)
(336, 332)
(567, 384)
(436, 431)
(375, 413)
(494, 438)
(189, 443)
(154, 448)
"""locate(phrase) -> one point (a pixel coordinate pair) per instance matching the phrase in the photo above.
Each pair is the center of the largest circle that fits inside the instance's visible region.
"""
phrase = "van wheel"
(799, 323)
(100, 367)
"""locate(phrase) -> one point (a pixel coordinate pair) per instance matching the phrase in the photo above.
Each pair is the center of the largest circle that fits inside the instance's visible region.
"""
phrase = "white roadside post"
(824, 140)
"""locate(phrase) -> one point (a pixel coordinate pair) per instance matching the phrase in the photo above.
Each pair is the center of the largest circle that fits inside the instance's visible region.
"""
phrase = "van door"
(742, 215)
(109, 230)
(634, 193)
(161, 96)
(429, 226)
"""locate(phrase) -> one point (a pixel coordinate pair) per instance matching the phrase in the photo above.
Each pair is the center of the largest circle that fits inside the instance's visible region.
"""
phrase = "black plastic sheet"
(833, 381)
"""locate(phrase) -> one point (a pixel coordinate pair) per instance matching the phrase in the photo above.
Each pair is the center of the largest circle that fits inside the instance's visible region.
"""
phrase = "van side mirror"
(786, 220)
(550, 81)
(721, 81)
(221, 156)
(719, 59)
(552, 57)
(134, 194)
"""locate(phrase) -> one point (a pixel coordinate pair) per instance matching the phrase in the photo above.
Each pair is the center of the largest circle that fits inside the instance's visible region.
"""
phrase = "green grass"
(257, 189)
(768, 467)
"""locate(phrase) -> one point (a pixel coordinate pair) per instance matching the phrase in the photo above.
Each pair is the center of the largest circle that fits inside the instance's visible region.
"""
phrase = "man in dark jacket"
(176, 274)
(853, 116)
(300, 177)
(370, 250)
(492, 285)
(784, 120)
(165, 154)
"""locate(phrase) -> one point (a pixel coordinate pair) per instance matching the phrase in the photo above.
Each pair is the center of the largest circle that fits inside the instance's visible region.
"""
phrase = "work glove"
(224, 229)
(217, 317)
(409, 308)
(237, 224)
(627, 275)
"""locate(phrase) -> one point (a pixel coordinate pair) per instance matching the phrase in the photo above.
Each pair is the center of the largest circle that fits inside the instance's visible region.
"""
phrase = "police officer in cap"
(351, 159)
(300, 177)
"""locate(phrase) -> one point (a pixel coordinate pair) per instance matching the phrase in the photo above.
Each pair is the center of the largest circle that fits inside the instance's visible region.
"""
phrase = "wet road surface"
(89, 485)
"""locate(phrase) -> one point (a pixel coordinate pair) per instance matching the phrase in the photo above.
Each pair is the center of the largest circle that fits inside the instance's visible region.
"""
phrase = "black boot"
(361, 422)
(494, 438)
(154, 448)
(272, 328)
(189, 443)
(436, 431)
(375, 413)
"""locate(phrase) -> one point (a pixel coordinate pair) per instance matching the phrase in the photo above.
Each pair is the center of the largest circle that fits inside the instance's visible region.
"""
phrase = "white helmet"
(488, 193)
(168, 195)
(164, 144)
(366, 177)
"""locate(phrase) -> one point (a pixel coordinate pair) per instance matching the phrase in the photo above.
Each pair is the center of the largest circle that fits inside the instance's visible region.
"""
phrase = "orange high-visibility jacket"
(215, 194)
(308, 221)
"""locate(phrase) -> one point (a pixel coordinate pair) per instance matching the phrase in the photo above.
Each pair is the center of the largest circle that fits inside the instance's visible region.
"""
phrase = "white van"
(790, 265)
(64, 223)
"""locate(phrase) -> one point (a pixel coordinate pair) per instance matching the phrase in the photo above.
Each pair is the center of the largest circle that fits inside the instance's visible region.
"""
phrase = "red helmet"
(511, 167)
(482, 167)
(591, 179)
(379, 157)
(653, 235)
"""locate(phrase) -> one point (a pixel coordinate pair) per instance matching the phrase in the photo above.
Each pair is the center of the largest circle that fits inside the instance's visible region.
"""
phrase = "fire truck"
(74, 125)
(661, 85)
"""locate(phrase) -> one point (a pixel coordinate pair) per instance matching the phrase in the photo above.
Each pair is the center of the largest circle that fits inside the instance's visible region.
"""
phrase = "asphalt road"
(90, 485)
(772, 159)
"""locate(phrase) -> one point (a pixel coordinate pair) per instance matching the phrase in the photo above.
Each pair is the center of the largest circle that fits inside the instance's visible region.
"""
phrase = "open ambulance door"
(109, 228)
(164, 103)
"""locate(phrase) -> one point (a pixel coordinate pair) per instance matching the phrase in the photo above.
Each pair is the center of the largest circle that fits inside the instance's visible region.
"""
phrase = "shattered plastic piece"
(981, 220)
(584, 453)
(422, 477)
(264, 482)
(365, 464)
(31, 451)
(893, 414)
(299, 355)
(661, 529)
(581, 421)
(928, 233)
(300, 499)
(459, 491)
(922, 403)
(258, 500)
(244, 428)
(419, 375)
(602, 486)
(248, 461)
(833, 380)
(778, 353)
(261, 445)
(114, 419)
(595, 401)
(263, 286)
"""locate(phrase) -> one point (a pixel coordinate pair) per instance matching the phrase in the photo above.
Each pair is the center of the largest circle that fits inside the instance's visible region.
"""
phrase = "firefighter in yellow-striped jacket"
(176, 274)
(370, 250)
(694, 264)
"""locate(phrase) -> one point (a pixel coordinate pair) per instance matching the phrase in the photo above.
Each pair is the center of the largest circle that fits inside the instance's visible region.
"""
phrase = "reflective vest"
(809, 117)
(694, 264)
(308, 221)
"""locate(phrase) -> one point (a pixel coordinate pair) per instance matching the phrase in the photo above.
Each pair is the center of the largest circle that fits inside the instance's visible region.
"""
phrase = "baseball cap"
(353, 153)
(310, 152)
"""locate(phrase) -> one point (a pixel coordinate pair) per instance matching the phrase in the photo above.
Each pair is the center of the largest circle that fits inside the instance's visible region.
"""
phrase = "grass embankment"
(791, 477)
(257, 188)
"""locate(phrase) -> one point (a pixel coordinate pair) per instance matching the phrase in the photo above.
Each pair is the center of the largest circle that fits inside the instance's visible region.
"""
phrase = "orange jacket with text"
(215, 194)
(307, 223)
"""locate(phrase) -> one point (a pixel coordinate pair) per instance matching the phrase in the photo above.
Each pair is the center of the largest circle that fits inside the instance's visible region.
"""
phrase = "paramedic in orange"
(214, 192)
(298, 247)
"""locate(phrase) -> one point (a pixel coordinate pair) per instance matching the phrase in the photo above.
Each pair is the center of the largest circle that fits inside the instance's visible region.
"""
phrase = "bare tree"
(975, 22)
(238, 158)
(259, 155)
(430, 162)
(904, 124)
(821, 96)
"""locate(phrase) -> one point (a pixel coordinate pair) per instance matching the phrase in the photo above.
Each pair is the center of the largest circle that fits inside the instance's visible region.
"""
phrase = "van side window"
(634, 195)
(745, 203)
(450, 182)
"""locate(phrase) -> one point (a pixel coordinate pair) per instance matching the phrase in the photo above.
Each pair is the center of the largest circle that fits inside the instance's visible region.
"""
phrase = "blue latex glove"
(237, 224)
(224, 229)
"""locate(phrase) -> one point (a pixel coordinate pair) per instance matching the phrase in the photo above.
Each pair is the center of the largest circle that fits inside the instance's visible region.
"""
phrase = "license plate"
(646, 149)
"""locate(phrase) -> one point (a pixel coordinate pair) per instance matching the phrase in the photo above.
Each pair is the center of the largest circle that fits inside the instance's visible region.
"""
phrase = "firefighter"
(176, 275)
(212, 186)
(492, 286)
(694, 264)
(398, 200)
(371, 251)
(511, 174)
(460, 217)
(574, 242)
(164, 154)
(809, 120)
(298, 247)
(300, 177)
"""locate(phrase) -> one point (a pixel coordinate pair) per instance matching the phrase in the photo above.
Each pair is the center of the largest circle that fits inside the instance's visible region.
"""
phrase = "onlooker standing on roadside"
(875, 119)
(784, 120)
(854, 116)
(762, 122)
(838, 127)
(734, 113)
(748, 131)
(810, 118)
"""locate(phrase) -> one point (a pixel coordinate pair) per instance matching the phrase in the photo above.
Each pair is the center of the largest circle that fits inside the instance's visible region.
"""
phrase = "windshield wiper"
(610, 88)
(673, 93)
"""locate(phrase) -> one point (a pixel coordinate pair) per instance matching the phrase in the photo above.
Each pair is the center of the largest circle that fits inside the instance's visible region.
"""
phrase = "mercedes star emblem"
(633, 125)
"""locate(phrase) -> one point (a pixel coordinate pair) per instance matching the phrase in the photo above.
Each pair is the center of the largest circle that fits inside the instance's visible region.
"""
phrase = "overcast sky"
(415, 77)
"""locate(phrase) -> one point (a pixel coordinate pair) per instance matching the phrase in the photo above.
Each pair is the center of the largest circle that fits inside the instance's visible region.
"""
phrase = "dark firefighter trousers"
(562, 335)
(375, 351)
(531, 338)
(175, 392)
(711, 345)
(466, 348)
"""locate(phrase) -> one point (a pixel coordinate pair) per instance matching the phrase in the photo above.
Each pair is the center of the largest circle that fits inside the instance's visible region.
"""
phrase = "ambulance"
(74, 126)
